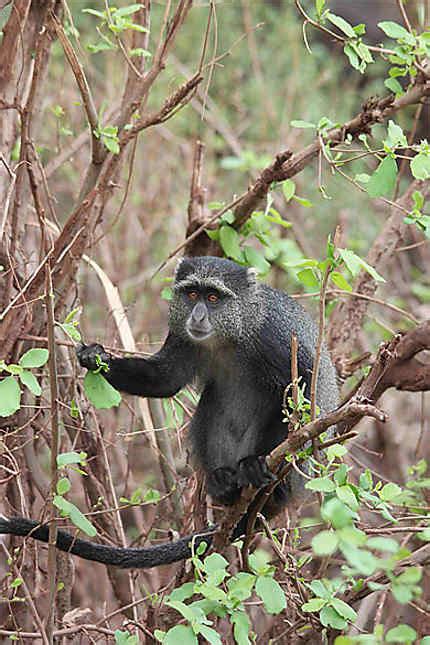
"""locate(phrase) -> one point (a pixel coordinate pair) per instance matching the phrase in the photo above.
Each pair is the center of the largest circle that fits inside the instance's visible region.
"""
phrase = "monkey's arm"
(160, 375)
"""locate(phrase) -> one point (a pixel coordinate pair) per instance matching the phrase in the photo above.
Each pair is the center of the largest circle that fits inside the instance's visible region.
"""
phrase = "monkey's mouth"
(199, 333)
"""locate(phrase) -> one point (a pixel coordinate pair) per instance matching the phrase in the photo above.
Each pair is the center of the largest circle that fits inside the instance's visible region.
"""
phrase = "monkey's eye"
(192, 295)
(213, 297)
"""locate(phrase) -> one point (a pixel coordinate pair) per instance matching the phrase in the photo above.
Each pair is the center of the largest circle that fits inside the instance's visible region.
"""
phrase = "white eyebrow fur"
(193, 280)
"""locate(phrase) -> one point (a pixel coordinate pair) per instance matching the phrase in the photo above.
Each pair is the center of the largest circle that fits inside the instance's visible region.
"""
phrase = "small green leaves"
(401, 634)
(325, 543)
(289, 189)
(10, 396)
(67, 509)
(383, 180)
(108, 135)
(420, 164)
(34, 358)
(29, 380)
(271, 593)
(397, 32)
(68, 458)
(321, 485)
(230, 242)
(101, 393)
(125, 638)
(341, 24)
(302, 124)
(390, 492)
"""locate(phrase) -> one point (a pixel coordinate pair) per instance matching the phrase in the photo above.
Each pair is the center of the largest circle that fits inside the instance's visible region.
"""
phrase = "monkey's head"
(212, 299)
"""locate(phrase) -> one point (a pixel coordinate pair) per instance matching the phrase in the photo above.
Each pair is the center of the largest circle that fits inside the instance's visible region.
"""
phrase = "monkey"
(231, 336)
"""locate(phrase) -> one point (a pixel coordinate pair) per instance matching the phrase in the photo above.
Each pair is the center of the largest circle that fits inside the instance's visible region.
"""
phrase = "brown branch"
(99, 152)
(346, 320)
(55, 442)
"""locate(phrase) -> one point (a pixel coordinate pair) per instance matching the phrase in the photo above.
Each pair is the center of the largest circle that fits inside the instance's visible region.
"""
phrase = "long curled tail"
(125, 558)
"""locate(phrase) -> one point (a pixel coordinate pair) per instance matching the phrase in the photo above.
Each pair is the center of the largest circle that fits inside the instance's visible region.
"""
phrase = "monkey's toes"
(253, 470)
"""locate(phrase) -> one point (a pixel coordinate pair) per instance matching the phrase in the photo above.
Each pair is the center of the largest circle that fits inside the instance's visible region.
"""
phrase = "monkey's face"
(203, 307)
(211, 299)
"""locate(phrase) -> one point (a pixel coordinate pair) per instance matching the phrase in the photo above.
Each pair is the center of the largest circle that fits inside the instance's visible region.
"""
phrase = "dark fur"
(242, 370)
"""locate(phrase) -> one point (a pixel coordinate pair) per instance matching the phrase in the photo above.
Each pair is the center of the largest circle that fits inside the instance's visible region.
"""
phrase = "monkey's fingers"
(90, 356)
(253, 471)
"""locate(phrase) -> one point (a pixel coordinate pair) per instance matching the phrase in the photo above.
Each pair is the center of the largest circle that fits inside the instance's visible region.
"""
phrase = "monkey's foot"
(222, 486)
(253, 471)
(87, 356)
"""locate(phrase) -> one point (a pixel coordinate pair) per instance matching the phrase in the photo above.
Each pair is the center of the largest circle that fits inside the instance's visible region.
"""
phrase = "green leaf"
(402, 593)
(111, 144)
(308, 278)
(336, 451)
(289, 189)
(229, 240)
(346, 495)
(241, 627)
(321, 484)
(395, 136)
(354, 264)
(325, 543)
(337, 513)
(420, 166)
(352, 55)
(340, 281)
(401, 634)
(411, 576)
(214, 562)
(29, 380)
(394, 86)
(139, 51)
(383, 544)
(361, 560)
(383, 180)
(315, 604)
(76, 517)
(389, 492)
(341, 24)
(256, 259)
(303, 201)
(183, 592)
(319, 589)
(128, 10)
(67, 458)
(302, 124)
(240, 586)
(343, 609)
(271, 593)
(100, 392)
(125, 638)
(34, 358)
(210, 635)
(330, 618)
(319, 6)
(182, 634)
(63, 486)
(10, 396)
(396, 31)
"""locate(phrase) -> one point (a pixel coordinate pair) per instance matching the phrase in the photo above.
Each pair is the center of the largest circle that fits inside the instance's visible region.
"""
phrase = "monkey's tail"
(125, 558)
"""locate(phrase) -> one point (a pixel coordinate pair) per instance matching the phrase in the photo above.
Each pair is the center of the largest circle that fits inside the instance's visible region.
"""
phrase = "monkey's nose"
(199, 312)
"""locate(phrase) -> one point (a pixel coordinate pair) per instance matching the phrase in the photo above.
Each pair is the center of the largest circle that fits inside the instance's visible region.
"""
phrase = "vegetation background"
(124, 130)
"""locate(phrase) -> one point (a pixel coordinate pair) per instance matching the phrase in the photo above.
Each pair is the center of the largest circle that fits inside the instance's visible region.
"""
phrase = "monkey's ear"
(251, 276)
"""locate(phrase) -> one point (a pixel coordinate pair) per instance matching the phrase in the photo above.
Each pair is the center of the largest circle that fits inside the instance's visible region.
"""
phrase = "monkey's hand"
(222, 485)
(253, 470)
(93, 356)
